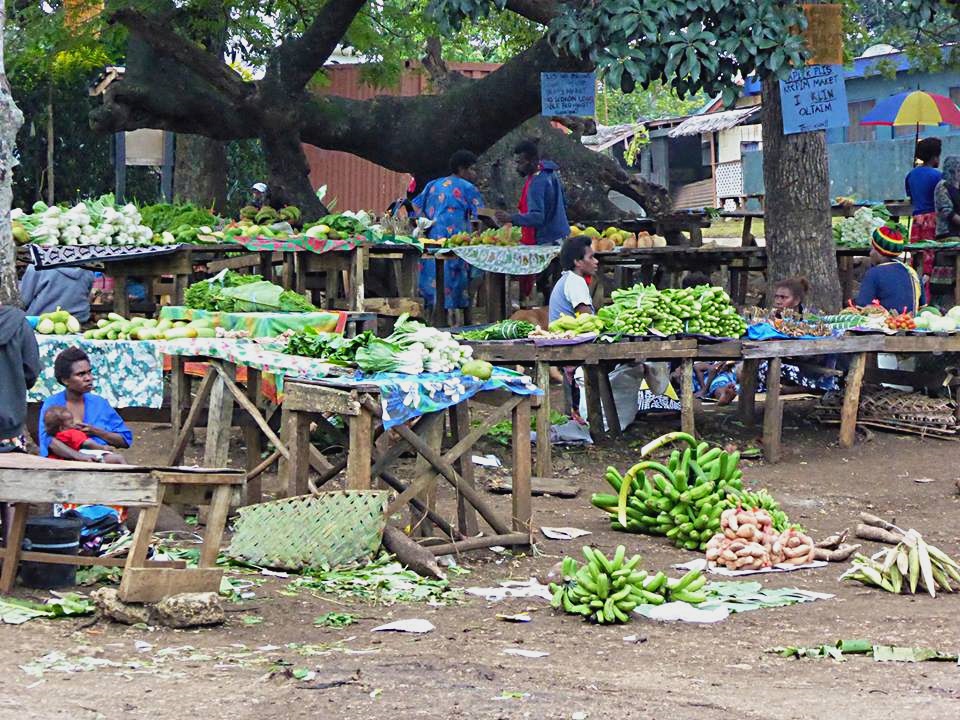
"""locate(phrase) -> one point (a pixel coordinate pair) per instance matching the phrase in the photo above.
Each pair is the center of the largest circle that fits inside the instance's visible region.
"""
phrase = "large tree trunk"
(797, 205)
(200, 171)
(10, 121)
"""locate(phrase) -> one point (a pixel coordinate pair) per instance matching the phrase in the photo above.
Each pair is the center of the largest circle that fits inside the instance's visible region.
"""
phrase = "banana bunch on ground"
(607, 590)
(911, 564)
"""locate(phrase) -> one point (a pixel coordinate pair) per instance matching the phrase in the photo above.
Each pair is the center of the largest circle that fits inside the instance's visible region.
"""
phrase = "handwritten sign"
(568, 94)
(814, 98)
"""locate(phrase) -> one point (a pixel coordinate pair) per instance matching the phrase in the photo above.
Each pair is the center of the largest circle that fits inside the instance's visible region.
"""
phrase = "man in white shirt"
(571, 294)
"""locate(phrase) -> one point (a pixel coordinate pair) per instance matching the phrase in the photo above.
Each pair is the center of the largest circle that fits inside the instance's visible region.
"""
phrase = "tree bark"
(200, 171)
(797, 205)
(10, 121)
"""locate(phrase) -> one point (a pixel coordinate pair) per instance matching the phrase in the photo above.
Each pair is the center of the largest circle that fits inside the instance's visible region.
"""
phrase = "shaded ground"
(459, 670)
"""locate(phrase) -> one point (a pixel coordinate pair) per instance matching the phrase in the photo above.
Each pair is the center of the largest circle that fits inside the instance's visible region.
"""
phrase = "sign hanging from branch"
(814, 98)
(571, 94)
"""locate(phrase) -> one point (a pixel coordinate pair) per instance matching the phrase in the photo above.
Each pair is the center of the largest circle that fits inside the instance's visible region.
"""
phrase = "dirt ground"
(460, 669)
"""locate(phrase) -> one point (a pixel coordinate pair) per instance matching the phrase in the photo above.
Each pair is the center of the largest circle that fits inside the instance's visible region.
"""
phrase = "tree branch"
(298, 59)
(160, 36)
(540, 11)
(441, 77)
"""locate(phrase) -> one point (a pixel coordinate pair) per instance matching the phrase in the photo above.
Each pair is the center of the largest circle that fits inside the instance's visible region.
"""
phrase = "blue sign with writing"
(814, 98)
(568, 94)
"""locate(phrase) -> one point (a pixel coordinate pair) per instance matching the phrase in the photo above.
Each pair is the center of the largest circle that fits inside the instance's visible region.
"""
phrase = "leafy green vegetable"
(503, 330)
(334, 620)
(204, 295)
(181, 219)
(502, 432)
(382, 356)
(291, 301)
(331, 347)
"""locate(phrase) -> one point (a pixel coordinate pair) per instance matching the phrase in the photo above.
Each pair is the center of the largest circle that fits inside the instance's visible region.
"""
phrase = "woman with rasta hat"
(889, 281)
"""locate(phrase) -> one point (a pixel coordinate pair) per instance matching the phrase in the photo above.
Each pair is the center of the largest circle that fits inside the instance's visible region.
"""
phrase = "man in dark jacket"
(542, 208)
(19, 368)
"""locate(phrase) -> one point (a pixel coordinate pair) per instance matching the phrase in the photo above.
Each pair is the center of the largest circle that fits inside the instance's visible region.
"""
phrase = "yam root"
(834, 541)
(869, 519)
(841, 554)
(877, 534)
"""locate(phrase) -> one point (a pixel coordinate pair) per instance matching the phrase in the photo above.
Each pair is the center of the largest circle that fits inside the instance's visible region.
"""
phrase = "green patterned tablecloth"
(508, 260)
(127, 373)
(261, 324)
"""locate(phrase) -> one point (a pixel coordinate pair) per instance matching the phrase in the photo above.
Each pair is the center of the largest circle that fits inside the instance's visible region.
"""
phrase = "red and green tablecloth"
(261, 324)
(300, 243)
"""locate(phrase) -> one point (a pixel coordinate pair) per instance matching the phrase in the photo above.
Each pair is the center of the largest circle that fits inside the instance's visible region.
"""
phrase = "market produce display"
(856, 231)
(704, 309)
(911, 564)
(607, 590)
(234, 292)
(684, 498)
(90, 222)
(117, 327)
(582, 324)
(504, 237)
(748, 541)
(58, 322)
(789, 322)
(612, 238)
(184, 222)
(503, 330)
(929, 319)
(333, 348)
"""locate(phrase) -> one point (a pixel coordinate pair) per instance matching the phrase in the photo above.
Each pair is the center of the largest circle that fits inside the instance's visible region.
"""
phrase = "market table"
(26, 479)
(597, 360)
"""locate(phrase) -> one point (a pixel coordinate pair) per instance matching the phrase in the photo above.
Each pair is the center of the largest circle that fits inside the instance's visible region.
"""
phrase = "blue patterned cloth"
(450, 202)
(405, 397)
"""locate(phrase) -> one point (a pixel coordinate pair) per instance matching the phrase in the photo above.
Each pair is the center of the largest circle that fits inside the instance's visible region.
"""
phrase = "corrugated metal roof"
(608, 135)
(713, 122)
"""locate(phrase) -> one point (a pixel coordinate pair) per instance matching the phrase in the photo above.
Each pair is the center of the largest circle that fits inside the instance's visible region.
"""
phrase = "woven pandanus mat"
(328, 529)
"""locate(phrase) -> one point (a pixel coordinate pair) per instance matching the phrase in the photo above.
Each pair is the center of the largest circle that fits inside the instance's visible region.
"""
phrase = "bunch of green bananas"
(607, 590)
(684, 498)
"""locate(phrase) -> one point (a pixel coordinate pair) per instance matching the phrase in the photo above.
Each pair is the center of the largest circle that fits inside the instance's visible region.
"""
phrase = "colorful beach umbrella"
(914, 108)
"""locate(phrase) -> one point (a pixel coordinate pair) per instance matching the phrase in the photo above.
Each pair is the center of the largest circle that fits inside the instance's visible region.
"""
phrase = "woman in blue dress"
(451, 202)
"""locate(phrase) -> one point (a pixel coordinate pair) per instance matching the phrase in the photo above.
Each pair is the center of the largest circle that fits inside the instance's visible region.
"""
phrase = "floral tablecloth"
(402, 397)
(508, 260)
(261, 324)
(127, 373)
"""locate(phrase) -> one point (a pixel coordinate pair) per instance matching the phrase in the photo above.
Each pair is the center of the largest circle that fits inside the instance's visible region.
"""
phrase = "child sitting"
(71, 443)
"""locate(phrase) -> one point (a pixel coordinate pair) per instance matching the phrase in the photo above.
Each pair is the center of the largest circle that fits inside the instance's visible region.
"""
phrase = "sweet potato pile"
(748, 541)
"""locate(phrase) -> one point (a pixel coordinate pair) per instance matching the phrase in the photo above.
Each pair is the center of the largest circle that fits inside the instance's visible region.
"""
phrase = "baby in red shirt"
(68, 441)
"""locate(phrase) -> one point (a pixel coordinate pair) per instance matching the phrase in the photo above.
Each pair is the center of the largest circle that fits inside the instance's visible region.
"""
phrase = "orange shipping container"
(358, 184)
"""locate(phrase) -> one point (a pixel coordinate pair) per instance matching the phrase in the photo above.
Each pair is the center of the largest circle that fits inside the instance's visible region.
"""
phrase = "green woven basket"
(332, 528)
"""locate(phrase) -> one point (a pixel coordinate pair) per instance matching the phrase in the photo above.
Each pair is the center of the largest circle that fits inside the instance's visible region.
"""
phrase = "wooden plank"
(313, 398)
(591, 387)
(199, 495)
(821, 346)
(142, 535)
(294, 470)
(430, 429)
(748, 393)
(147, 585)
(129, 489)
(360, 450)
(216, 522)
(607, 402)
(459, 428)
(172, 476)
(186, 430)
(851, 401)
(216, 452)
(253, 441)
(91, 560)
(772, 414)
(687, 404)
(526, 352)
(479, 543)
(544, 447)
(179, 396)
(555, 487)
(12, 549)
(522, 506)
(246, 404)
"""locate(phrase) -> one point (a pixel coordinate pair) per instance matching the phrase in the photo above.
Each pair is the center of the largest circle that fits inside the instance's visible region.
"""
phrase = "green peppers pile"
(684, 498)
(607, 590)
(704, 310)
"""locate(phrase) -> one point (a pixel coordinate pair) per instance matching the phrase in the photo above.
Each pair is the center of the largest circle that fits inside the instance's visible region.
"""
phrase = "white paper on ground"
(525, 653)
(714, 569)
(486, 460)
(415, 625)
(564, 533)
(512, 589)
(685, 612)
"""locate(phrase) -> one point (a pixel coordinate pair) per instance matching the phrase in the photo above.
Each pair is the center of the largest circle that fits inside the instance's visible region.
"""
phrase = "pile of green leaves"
(173, 216)
(204, 295)
(330, 347)
(292, 301)
(503, 330)
(15, 611)
(502, 432)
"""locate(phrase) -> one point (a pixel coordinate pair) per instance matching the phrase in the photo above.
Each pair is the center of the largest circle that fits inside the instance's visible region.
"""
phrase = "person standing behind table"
(890, 282)
(258, 194)
(67, 288)
(451, 202)
(542, 214)
(947, 200)
(920, 183)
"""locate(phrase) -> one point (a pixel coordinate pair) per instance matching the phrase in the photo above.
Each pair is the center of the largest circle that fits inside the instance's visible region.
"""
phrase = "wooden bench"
(26, 479)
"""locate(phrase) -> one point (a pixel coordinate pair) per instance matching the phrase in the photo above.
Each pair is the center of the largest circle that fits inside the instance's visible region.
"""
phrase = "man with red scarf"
(542, 209)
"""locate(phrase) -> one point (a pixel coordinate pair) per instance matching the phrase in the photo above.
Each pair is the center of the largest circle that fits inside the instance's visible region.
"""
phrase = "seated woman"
(91, 413)
(790, 294)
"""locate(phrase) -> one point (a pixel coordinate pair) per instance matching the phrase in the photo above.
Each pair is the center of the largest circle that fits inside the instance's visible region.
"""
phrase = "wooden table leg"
(430, 430)
(956, 280)
(851, 401)
(216, 522)
(296, 435)
(438, 312)
(409, 275)
(216, 452)
(607, 402)
(772, 414)
(360, 451)
(544, 448)
(355, 279)
(180, 284)
(121, 301)
(496, 293)
(143, 533)
(687, 405)
(252, 440)
(12, 548)
(179, 397)
(521, 492)
(591, 387)
(460, 427)
(748, 393)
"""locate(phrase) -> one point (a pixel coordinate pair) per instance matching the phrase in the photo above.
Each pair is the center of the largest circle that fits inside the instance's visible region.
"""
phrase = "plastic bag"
(260, 296)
